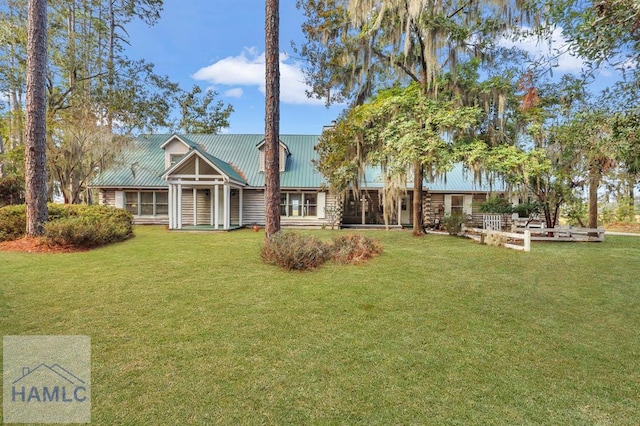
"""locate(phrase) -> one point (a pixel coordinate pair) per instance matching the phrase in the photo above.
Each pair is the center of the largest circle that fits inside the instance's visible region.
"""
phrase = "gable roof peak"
(282, 144)
(181, 138)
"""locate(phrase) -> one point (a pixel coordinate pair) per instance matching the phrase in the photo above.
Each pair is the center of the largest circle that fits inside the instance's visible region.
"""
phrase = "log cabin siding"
(107, 197)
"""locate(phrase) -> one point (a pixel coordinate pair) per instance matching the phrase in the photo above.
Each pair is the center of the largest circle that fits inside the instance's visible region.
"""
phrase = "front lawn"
(194, 329)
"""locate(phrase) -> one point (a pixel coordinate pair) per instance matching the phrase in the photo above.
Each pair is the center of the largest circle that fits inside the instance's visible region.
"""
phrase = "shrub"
(354, 248)
(71, 224)
(11, 190)
(13, 222)
(496, 205)
(294, 252)
(87, 231)
(298, 252)
(527, 209)
(453, 223)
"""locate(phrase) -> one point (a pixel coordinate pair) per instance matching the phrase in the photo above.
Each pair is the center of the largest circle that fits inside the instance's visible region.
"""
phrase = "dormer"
(175, 148)
(284, 153)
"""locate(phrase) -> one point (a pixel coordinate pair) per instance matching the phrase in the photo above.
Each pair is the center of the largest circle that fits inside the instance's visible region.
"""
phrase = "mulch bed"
(36, 245)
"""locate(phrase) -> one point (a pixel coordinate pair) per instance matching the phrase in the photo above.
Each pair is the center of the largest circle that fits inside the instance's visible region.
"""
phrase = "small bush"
(453, 223)
(297, 252)
(13, 222)
(294, 252)
(354, 248)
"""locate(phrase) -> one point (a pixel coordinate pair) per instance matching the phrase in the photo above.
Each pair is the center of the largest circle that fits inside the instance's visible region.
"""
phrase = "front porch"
(217, 207)
(204, 191)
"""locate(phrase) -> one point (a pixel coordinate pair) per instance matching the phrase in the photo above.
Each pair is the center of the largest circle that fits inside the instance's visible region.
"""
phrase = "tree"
(599, 30)
(96, 96)
(199, 114)
(35, 152)
(398, 128)
(272, 119)
(358, 48)
(13, 42)
(589, 135)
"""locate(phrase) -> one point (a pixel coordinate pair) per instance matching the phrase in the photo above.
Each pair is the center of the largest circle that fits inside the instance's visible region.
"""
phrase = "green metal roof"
(457, 179)
(141, 164)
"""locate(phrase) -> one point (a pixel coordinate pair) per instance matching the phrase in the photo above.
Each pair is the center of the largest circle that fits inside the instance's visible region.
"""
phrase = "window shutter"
(120, 199)
(322, 202)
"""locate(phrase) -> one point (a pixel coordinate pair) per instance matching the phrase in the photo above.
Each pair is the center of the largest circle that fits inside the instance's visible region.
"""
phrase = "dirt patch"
(36, 245)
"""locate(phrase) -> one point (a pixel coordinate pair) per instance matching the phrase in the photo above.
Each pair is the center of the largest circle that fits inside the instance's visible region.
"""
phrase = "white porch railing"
(492, 221)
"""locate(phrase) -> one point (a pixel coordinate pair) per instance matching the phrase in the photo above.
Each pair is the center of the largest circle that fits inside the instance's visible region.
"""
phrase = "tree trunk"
(594, 182)
(631, 197)
(1, 160)
(35, 149)
(418, 220)
(272, 119)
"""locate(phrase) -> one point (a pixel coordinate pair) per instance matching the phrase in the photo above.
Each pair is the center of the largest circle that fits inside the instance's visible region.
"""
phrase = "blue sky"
(220, 45)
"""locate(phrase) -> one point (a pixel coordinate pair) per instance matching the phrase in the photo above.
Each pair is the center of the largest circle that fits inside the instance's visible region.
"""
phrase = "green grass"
(194, 329)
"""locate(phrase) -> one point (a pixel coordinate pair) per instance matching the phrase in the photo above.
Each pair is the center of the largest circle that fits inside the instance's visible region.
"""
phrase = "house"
(217, 182)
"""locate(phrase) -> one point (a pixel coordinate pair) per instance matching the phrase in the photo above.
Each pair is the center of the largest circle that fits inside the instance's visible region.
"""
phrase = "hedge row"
(71, 224)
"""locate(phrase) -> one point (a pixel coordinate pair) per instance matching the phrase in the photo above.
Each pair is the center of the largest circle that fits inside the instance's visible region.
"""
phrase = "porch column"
(216, 214)
(211, 205)
(195, 205)
(179, 203)
(399, 200)
(240, 193)
(227, 205)
(170, 201)
(362, 204)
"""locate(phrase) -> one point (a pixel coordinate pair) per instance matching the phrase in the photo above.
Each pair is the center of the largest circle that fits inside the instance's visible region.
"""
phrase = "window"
(283, 158)
(457, 204)
(162, 203)
(174, 158)
(147, 203)
(131, 202)
(298, 204)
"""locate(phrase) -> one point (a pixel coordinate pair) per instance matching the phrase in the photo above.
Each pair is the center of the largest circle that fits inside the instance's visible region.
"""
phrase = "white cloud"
(554, 48)
(234, 93)
(248, 69)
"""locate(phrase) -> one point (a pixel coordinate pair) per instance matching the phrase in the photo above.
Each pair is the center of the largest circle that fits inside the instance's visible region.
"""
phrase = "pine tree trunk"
(1, 160)
(35, 147)
(418, 221)
(272, 119)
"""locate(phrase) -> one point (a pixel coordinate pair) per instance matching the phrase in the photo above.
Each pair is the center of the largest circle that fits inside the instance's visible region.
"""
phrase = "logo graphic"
(47, 379)
(66, 388)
